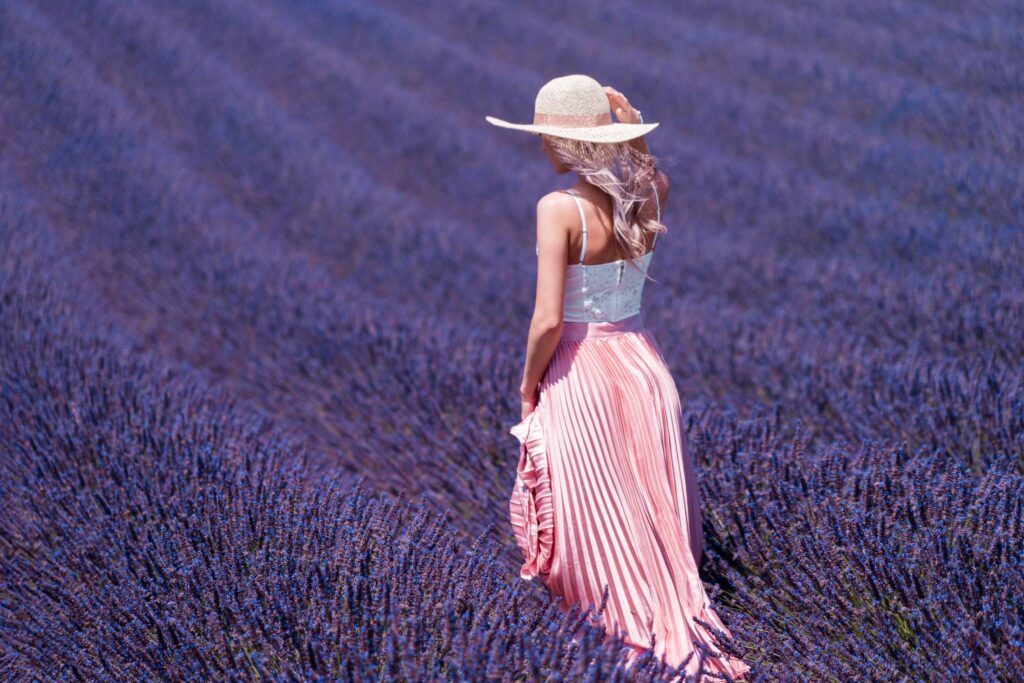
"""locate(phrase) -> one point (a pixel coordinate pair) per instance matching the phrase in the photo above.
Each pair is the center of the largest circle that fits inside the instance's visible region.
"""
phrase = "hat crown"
(573, 95)
(576, 107)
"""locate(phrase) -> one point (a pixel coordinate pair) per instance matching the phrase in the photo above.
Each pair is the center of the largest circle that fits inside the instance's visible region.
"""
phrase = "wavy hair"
(625, 174)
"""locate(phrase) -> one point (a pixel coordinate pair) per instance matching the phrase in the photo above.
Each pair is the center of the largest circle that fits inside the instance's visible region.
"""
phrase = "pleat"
(606, 495)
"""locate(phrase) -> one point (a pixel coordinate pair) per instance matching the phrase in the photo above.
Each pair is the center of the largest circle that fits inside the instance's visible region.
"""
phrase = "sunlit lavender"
(265, 280)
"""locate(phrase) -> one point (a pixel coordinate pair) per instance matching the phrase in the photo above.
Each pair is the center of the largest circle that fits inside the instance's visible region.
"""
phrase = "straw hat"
(576, 107)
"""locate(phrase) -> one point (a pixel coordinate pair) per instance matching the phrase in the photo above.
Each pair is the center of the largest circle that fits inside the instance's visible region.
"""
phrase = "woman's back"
(604, 290)
(601, 246)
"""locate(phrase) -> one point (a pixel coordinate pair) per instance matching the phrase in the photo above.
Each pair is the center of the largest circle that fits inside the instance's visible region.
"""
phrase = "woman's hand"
(529, 403)
(624, 111)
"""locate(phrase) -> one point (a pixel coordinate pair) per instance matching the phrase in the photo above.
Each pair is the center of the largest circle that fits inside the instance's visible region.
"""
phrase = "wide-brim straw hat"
(576, 107)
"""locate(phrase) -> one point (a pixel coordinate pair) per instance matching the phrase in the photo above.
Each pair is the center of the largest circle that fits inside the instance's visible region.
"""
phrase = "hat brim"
(612, 132)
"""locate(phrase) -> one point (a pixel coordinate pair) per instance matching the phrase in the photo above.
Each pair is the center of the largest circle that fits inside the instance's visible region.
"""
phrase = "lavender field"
(266, 276)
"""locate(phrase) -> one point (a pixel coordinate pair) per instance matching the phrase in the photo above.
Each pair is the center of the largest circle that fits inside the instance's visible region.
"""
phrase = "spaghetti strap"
(583, 219)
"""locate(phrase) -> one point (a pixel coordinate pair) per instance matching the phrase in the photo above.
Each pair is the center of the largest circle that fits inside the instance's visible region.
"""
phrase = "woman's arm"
(625, 113)
(546, 325)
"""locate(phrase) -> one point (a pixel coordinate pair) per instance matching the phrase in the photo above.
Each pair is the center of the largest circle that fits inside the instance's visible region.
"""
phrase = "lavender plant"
(264, 289)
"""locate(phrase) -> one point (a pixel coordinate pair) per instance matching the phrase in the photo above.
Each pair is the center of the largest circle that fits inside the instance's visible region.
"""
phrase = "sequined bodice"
(605, 292)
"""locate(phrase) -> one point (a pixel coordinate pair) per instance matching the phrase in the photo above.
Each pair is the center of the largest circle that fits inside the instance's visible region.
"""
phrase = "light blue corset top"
(604, 292)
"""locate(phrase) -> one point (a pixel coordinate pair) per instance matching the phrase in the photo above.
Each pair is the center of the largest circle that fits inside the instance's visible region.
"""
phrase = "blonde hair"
(626, 175)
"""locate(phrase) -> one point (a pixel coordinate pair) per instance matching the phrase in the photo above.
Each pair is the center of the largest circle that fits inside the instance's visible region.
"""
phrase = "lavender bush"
(265, 285)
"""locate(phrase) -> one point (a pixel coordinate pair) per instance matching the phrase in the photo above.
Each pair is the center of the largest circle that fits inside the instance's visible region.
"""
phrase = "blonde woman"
(605, 493)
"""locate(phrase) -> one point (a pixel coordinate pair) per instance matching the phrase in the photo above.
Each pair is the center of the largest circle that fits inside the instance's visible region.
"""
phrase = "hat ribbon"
(572, 120)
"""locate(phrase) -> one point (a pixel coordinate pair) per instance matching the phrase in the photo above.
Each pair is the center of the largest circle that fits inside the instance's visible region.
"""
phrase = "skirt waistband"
(602, 328)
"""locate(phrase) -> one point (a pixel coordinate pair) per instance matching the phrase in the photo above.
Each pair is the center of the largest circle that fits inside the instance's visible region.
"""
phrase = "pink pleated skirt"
(605, 493)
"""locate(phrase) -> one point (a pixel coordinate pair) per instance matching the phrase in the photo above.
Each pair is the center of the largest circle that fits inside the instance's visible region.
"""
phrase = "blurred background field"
(265, 280)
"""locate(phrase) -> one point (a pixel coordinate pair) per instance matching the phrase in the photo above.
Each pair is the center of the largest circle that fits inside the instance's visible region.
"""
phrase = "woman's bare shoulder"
(556, 203)
(555, 212)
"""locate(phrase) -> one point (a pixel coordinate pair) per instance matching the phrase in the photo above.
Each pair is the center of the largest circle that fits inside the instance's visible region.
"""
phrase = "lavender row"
(969, 30)
(1005, 13)
(961, 53)
(867, 561)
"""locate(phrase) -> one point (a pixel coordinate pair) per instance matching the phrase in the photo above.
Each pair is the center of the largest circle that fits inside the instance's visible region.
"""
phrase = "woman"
(605, 493)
